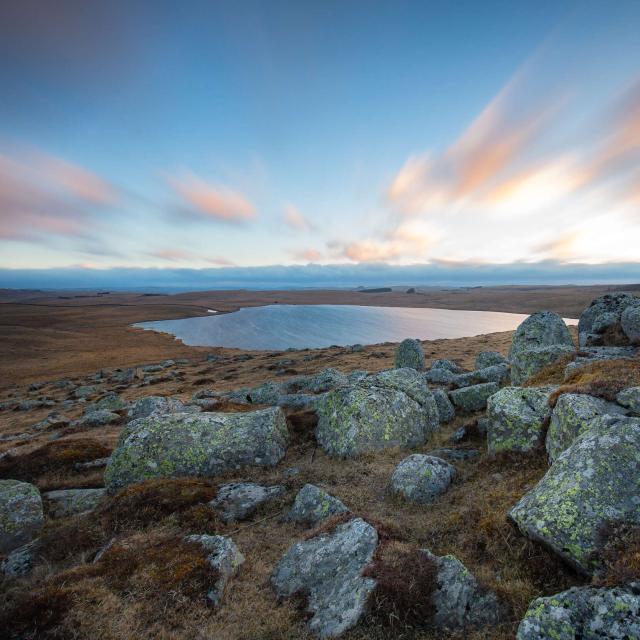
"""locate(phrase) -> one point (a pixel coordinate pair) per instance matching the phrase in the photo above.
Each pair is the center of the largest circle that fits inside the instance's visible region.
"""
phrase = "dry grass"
(619, 554)
(51, 465)
(604, 379)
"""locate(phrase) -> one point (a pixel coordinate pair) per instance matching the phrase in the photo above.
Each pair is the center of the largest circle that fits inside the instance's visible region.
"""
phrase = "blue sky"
(245, 134)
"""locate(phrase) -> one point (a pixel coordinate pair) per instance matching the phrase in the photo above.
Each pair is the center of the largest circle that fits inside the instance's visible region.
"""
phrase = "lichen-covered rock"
(85, 391)
(595, 481)
(421, 478)
(111, 402)
(440, 375)
(541, 329)
(540, 340)
(488, 359)
(589, 613)
(158, 405)
(98, 418)
(240, 500)
(446, 411)
(459, 601)
(630, 398)
(325, 380)
(630, 321)
(473, 398)
(200, 444)
(602, 315)
(298, 401)
(66, 502)
(224, 558)
(21, 515)
(409, 354)
(527, 362)
(515, 418)
(391, 409)
(495, 373)
(572, 416)
(448, 365)
(328, 570)
(20, 561)
(312, 505)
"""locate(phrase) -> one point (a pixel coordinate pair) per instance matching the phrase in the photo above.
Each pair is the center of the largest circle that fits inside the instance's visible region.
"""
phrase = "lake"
(278, 327)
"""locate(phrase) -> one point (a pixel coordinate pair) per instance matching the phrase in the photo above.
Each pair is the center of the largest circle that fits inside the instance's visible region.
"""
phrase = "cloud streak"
(212, 201)
(294, 218)
(42, 195)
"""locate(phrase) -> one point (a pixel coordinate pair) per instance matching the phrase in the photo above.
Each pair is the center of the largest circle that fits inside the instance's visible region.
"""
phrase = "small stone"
(630, 398)
(20, 561)
(489, 358)
(457, 455)
(224, 558)
(98, 418)
(459, 601)
(421, 478)
(473, 398)
(446, 411)
(239, 501)
(312, 505)
(409, 354)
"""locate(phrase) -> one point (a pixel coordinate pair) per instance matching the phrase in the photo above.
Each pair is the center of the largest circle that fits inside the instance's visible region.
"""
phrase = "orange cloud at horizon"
(213, 201)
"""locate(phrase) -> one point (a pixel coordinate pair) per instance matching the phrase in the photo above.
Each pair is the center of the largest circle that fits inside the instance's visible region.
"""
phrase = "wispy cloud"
(41, 195)
(171, 255)
(295, 218)
(308, 255)
(212, 200)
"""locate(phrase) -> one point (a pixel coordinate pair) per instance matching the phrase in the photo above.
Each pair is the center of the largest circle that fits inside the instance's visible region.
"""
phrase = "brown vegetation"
(619, 554)
(602, 378)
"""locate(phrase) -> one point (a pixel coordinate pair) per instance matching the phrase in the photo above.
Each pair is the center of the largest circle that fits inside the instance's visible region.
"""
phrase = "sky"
(230, 139)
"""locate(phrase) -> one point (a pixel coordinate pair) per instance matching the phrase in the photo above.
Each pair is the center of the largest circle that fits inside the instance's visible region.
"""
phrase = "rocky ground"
(483, 488)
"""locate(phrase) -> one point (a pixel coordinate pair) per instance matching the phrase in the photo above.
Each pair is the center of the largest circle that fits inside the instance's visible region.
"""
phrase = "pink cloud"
(42, 195)
(213, 201)
(310, 255)
(173, 255)
(295, 219)
(221, 262)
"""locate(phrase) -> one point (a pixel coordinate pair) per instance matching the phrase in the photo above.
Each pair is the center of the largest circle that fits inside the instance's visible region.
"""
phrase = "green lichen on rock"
(409, 354)
(488, 359)
(390, 409)
(421, 478)
(539, 341)
(594, 482)
(312, 505)
(21, 515)
(572, 416)
(201, 444)
(584, 612)
(473, 398)
(516, 418)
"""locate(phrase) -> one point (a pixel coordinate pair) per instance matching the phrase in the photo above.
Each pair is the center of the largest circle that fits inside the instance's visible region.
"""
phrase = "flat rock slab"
(473, 398)
(240, 500)
(584, 612)
(594, 482)
(200, 444)
(328, 571)
(67, 502)
(313, 504)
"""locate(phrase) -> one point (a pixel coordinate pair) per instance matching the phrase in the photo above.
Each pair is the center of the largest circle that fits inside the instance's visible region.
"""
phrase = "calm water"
(277, 327)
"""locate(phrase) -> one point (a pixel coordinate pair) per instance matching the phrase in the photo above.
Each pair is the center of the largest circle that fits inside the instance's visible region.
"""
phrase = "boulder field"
(202, 472)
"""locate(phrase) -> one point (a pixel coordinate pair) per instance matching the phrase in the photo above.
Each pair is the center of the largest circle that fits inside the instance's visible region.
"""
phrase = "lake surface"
(277, 327)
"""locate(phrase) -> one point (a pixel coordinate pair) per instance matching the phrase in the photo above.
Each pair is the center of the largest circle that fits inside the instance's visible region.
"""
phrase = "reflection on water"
(315, 326)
